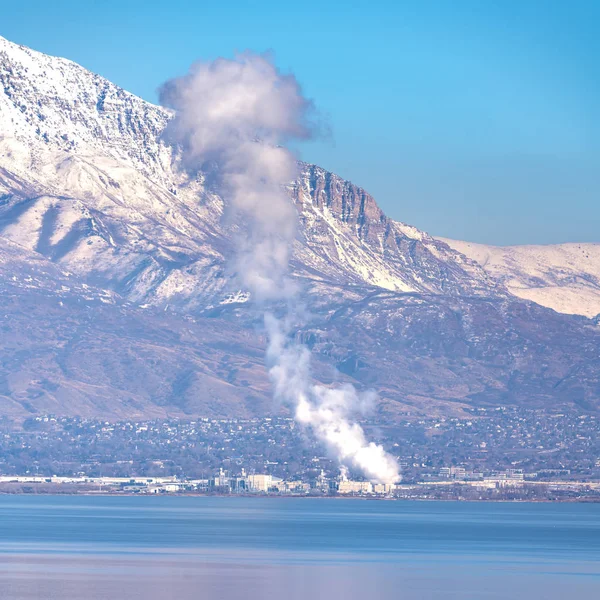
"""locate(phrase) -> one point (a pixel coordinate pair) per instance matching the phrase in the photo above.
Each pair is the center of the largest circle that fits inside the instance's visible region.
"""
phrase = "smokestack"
(239, 114)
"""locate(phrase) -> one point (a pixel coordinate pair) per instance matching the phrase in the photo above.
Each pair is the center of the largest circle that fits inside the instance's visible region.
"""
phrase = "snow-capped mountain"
(565, 277)
(93, 187)
(118, 298)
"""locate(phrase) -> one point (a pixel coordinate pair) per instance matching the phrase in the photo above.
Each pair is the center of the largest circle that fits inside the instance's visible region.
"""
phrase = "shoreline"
(114, 494)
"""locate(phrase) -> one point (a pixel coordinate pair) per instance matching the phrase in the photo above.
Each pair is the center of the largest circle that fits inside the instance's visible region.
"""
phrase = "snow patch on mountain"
(564, 277)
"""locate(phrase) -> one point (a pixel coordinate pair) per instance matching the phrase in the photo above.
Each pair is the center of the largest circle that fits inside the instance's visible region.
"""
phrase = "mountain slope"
(68, 348)
(118, 298)
(564, 277)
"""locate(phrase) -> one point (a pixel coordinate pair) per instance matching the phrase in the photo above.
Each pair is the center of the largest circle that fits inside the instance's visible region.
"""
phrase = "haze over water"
(228, 548)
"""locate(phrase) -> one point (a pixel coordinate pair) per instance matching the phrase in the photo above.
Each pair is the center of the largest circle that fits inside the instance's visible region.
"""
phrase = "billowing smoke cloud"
(237, 114)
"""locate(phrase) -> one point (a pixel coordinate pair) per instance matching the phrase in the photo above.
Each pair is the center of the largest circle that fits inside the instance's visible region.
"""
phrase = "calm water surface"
(100, 548)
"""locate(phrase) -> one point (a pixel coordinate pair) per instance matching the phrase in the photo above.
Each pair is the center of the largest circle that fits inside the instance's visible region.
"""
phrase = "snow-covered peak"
(57, 103)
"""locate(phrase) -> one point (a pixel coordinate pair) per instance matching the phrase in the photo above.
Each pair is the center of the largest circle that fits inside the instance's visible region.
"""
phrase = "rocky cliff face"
(382, 252)
(118, 297)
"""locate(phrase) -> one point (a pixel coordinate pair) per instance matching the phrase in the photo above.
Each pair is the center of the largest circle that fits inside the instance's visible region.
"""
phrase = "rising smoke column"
(326, 411)
(238, 114)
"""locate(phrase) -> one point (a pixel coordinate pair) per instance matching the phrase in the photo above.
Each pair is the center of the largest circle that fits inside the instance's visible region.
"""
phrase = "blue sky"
(478, 120)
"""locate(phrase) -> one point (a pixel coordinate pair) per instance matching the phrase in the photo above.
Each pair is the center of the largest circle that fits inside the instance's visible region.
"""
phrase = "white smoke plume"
(326, 411)
(237, 114)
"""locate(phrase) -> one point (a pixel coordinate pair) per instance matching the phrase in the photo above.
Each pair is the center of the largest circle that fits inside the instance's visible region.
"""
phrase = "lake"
(100, 548)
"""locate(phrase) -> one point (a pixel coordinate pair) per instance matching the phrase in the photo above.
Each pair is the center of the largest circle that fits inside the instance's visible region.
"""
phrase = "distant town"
(497, 454)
